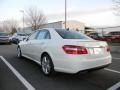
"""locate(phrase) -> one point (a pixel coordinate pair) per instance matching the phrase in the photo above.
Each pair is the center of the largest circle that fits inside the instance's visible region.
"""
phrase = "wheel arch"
(48, 55)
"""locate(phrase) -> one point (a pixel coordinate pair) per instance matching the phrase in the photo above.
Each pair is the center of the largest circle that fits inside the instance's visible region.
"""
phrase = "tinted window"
(3, 34)
(43, 34)
(70, 34)
(21, 34)
(48, 36)
(33, 36)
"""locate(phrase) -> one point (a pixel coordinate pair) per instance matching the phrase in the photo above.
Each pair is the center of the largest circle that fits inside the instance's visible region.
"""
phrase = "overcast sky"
(91, 12)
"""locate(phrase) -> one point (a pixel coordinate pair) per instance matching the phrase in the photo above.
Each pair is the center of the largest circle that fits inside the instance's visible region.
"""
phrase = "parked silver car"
(4, 38)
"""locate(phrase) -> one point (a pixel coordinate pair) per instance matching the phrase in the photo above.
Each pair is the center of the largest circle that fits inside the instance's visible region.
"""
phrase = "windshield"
(3, 34)
(71, 34)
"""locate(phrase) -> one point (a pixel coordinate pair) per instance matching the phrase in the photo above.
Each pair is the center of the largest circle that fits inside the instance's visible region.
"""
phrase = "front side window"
(33, 36)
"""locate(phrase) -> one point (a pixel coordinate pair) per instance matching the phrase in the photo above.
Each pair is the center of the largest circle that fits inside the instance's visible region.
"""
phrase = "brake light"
(73, 49)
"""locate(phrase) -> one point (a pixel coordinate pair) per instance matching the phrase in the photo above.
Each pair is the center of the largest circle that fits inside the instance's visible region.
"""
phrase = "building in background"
(89, 30)
(70, 24)
(75, 25)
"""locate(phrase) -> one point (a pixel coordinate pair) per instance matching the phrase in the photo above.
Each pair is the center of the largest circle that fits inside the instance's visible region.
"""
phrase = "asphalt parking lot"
(23, 74)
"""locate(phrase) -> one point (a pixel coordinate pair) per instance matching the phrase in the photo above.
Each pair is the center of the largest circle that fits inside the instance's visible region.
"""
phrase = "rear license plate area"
(96, 51)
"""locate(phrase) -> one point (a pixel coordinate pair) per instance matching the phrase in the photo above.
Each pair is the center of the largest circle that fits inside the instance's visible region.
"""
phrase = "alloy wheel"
(46, 66)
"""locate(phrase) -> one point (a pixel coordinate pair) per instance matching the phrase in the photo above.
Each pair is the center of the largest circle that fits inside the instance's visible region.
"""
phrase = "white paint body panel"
(63, 62)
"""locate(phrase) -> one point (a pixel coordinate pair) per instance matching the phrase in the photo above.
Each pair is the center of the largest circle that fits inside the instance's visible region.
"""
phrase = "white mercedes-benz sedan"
(63, 50)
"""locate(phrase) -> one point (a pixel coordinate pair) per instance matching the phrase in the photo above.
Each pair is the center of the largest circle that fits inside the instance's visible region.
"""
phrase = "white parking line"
(30, 87)
(18, 75)
(114, 87)
(112, 70)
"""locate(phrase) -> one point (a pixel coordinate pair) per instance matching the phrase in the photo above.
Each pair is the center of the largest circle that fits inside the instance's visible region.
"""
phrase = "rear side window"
(44, 34)
(48, 36)
(71, 34)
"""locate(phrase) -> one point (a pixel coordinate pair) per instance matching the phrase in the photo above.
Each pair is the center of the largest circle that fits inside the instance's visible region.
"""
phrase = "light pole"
(65, 14)
(22, 11)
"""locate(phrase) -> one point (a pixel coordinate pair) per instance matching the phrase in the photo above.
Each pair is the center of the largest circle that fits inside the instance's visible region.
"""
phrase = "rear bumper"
(75, 66)
(96, 68)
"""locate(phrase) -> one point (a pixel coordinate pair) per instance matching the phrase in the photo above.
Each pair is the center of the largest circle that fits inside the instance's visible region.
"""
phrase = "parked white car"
(64, 51)
(17, 37)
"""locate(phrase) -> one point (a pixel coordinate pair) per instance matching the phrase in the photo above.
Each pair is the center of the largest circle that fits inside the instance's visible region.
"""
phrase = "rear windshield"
(3, 34)
(71, 34)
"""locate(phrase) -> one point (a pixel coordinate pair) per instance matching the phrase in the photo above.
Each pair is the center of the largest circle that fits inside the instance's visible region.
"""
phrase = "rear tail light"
(108, 49)
(73, 49)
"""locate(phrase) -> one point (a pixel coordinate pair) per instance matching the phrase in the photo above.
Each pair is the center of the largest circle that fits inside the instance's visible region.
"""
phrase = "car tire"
(47, 65)
(19, 53)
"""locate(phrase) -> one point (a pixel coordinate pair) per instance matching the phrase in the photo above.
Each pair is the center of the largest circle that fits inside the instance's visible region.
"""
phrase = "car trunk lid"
(96, 49)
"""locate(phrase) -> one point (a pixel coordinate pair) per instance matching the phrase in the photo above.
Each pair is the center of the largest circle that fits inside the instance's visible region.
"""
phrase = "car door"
(40, 44)
(28, 44)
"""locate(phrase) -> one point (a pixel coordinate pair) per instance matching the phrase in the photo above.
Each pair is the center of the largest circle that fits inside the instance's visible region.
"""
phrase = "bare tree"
(34, 18)
(10, 26)
(116, 6)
